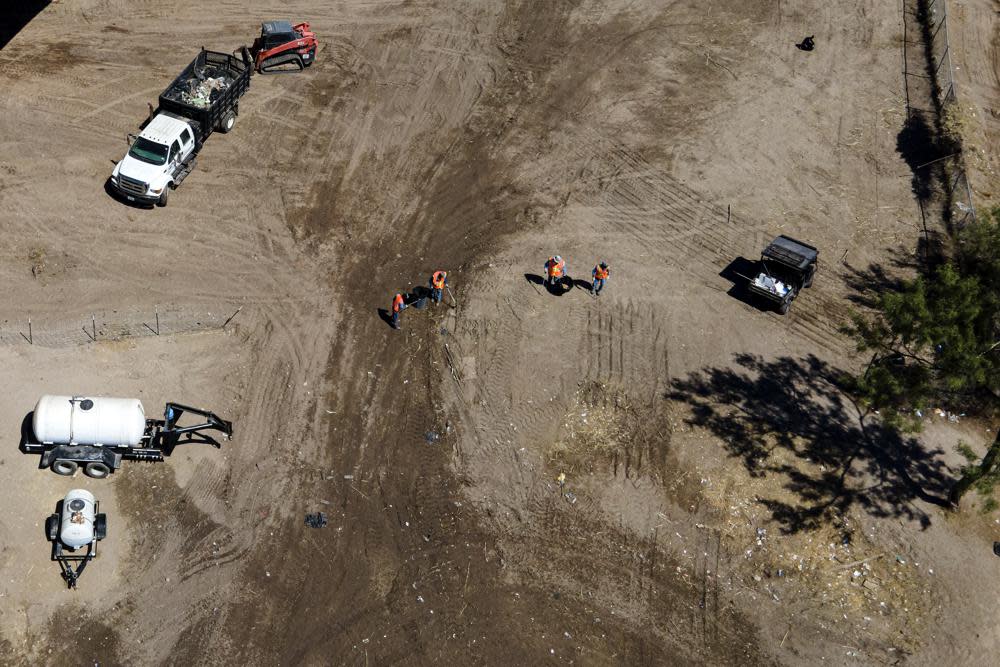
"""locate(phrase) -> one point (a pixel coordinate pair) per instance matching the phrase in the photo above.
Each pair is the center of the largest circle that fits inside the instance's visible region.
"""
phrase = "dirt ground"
(722, 502)
(976, 50)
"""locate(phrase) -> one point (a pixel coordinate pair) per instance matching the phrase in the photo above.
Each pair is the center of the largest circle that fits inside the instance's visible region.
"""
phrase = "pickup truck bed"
(208, 90)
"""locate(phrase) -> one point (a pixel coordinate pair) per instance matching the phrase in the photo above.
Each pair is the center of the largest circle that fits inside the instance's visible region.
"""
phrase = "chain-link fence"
(940, 179)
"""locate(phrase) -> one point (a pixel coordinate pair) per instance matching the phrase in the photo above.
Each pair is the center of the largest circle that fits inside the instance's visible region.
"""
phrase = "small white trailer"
(77, 523)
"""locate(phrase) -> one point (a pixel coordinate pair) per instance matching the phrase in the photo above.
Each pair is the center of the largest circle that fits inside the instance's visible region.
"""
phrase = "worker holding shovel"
(439, 281)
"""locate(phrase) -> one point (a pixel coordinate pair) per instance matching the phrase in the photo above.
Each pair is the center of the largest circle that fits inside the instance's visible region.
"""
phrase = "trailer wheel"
(783, 308)
(52, 527)
(162, 201)
(64, 467)
(227, 122)
(101, 527)
(97, 470)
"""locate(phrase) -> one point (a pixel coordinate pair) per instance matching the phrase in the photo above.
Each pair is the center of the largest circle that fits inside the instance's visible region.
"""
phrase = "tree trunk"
(985, 467)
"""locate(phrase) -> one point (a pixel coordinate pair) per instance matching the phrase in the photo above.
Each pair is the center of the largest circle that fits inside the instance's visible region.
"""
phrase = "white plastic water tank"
(76, 525)
(78, 420)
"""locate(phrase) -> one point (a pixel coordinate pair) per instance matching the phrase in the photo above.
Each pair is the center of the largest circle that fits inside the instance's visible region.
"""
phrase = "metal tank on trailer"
(77, 420)
(98, 433)
(77, 523)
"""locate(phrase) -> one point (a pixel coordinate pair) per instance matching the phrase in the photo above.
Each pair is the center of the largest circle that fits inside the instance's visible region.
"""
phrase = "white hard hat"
(558, 258)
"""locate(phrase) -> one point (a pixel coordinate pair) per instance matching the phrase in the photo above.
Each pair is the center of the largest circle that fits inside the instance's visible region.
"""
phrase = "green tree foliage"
(937, 341)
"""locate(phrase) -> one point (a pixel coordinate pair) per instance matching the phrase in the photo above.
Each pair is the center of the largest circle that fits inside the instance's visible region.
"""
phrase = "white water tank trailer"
(77, 523)
(70, 420)
(98, 432)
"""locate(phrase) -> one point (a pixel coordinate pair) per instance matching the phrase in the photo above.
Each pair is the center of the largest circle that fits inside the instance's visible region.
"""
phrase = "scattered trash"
(317, 520)
(432, 436)
(571, 497)
(899, 559)
(348, 476)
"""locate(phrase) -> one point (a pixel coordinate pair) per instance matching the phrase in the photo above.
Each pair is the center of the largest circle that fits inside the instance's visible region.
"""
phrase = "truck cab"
(156, 160)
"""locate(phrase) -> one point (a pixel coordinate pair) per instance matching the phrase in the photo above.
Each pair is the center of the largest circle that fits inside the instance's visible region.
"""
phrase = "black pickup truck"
(787, 266)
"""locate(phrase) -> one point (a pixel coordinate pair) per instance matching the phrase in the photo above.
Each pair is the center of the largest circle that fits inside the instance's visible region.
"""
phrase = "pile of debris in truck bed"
(202, 89)
(770, 284)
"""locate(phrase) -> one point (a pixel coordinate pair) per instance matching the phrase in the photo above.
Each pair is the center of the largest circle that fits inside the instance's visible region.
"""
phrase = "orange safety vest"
(438, 279)
(398, 303)
(556, 268)
(601, 274)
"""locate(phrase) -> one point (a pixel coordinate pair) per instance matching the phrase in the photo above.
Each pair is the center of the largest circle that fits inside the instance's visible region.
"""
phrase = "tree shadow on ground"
(869, 283)
(917, 144)
(790, 418)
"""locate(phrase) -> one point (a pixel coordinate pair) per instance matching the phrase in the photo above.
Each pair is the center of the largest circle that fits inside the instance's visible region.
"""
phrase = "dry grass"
(843, 566)
(596, 431)
(36, 257)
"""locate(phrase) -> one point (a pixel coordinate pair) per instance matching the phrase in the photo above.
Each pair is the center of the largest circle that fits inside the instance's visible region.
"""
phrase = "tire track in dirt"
(671, 221)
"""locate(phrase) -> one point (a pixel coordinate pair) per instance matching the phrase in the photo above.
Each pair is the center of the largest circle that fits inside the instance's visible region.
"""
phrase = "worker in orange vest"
(555, 270)
(439, 280)
(398, 305)
(601, 274)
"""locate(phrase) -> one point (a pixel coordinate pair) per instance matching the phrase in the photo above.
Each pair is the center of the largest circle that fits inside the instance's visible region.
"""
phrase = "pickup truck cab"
(156, 160)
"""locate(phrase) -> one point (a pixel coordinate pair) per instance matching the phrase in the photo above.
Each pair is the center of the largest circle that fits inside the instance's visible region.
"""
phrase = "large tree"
(937, 341)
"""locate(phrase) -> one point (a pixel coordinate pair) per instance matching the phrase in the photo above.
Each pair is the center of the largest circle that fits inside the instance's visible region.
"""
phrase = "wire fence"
(112, 325)
(941, 180)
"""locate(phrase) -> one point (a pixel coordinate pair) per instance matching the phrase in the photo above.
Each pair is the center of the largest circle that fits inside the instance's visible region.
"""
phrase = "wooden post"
(232, 316)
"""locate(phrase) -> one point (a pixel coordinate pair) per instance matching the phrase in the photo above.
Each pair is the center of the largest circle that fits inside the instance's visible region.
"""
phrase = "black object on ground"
(996, 548)
(317, 520)
(807, 44)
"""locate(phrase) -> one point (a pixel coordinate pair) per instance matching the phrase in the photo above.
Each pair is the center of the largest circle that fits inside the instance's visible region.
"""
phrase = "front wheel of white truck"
(162, 201)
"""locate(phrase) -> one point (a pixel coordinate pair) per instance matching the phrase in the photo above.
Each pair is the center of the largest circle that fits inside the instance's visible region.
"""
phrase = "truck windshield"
(149, 151)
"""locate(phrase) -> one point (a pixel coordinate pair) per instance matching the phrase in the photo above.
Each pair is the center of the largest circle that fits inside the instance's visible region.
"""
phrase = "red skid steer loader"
(283, 47)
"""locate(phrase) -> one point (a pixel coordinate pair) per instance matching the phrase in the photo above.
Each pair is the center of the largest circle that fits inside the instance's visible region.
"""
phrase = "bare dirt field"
(723, 502)
(974, 34)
